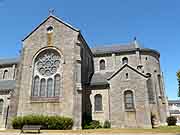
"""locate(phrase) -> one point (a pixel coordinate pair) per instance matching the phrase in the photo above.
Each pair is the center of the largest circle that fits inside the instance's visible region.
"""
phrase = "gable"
(129, 70)
(54, 18)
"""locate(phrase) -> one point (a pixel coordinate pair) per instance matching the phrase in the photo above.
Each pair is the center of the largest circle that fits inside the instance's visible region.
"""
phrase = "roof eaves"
(7, 84)
(9, 61)
(99, 83)
(173, 101)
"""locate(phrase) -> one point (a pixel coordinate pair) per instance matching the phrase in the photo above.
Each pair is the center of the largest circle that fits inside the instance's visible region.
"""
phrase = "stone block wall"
(140, 115)
(104, 113)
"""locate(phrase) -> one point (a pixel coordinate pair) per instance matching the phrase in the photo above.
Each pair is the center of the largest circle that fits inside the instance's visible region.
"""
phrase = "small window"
(50, 29)
(146, 58)
(5, 74)
(125, 60)
(1, 106)
(127, 75)
(102, 64)
(128, 99)
(98, 102)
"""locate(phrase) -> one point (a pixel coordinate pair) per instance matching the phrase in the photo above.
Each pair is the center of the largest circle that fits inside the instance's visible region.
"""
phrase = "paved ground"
(18, 133)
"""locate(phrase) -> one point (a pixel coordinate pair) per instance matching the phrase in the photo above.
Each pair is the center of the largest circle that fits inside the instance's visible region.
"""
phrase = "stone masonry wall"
(63, 39)
(120, 117)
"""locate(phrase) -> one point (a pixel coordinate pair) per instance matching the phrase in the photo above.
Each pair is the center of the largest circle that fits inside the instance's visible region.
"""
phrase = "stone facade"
(140, 74)
(58, 74)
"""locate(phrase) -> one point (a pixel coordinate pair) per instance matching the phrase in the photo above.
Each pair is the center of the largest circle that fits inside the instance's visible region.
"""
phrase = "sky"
(155, 23)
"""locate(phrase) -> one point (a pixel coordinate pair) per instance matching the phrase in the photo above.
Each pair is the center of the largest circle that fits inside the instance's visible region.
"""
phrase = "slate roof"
(120, 48)
(174, 111)
(9, 61)
(7, 84)
(113, 48)
(100, 78)
(174, 101)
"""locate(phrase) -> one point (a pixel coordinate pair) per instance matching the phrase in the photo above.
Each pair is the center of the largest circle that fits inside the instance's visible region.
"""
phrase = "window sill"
(98, 111)
(45, 99)
(130, 110)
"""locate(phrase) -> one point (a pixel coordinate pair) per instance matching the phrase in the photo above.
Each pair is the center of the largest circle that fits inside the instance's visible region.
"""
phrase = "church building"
(57, 73)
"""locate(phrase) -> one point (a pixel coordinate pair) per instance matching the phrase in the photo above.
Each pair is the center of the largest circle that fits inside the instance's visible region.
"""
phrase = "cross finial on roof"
(136, 43)
(51, 11)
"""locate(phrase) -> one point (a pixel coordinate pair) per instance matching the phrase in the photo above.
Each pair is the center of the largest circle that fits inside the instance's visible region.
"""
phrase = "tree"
(178, 78)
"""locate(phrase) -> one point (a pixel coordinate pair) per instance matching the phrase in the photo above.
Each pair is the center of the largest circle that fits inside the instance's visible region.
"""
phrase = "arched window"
(57, 85)
(36, 86)
(98, 102)
(102, 65)
(128, 99)
(43, 87)
(125, 60)
(50, 87)
(5, 74)
(46, 74)
(1, 106)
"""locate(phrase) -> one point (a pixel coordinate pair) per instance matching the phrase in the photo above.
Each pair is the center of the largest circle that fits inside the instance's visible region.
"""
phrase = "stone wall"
(146, 62)
(63, 39)
(120, 116)
(104, 113)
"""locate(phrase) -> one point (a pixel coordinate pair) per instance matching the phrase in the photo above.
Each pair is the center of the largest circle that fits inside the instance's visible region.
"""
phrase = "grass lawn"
(164, 129)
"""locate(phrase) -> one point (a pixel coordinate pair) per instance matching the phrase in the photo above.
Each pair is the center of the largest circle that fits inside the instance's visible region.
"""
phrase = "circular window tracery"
(48, 63)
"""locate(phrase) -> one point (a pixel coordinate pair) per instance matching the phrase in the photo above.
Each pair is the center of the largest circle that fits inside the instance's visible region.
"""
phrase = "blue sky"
(155, 23)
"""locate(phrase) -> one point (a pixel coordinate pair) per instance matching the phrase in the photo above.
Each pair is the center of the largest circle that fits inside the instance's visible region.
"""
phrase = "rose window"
(48, 64)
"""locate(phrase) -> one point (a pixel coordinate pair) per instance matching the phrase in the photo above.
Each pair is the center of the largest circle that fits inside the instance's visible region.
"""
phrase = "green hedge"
(93, 125)
(47, 122)
(171, 120)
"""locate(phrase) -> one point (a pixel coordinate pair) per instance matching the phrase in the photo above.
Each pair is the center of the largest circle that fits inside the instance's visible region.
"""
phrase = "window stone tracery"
(48, 64)
(48, 69)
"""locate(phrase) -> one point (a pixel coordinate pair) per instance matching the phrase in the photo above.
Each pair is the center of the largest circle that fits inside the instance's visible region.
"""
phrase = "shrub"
(62, 123)
(93, 125)
(87, 118)
(171, 121)
(17, 122)
(107, 124)
(48, 122)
